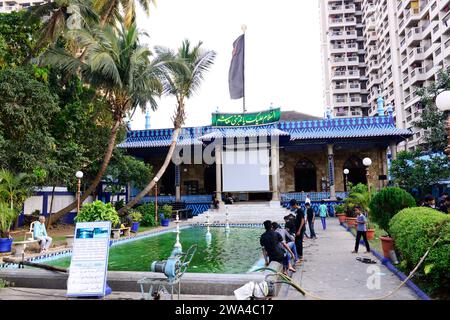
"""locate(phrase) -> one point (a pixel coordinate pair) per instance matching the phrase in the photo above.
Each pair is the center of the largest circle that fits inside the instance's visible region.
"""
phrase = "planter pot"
(370, 234)
(351, 222)
(5, 244)
(135, 227)
(387, 244)
(341, 217)
(165, 222)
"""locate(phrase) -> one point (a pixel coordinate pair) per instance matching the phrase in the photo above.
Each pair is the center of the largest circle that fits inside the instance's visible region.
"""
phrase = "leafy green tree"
(119, 68)
(411, 171)
(185, 72)
(109, 10)
(17, 38)
(432, 119)
(27, 106)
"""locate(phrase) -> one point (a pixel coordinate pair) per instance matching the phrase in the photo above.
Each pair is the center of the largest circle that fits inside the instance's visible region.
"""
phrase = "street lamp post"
(79, 176)
(367, 162)
(443, 104)
(346, 172)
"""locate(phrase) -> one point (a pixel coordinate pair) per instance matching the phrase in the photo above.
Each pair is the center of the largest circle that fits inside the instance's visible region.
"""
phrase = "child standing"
(323, 212)
(361, 229)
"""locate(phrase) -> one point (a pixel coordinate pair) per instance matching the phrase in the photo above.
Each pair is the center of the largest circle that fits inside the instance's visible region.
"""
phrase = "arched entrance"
(357, 171)
(209, 177)
(305, 176)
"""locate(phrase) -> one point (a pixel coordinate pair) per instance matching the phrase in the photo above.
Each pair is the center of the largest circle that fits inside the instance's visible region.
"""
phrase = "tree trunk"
(98, 178)
(158, 176)
(49, 220)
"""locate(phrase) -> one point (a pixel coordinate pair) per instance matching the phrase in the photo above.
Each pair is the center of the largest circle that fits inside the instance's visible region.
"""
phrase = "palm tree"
(59, 16)
(13, 189)
(120, 69)
(109, 10)
(181, 81)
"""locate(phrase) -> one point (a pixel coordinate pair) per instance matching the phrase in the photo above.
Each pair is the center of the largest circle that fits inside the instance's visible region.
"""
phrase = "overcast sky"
(283, 58)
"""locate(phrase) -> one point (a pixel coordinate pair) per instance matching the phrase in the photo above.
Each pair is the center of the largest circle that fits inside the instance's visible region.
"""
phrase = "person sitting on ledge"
(40, 234)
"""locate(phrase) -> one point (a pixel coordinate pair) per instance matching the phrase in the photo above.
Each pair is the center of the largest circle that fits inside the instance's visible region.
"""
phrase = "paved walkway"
(331, 271)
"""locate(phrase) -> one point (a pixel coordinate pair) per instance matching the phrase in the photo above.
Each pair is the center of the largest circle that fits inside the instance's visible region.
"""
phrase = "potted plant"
(370, 231)
(340, 213)
(136, 218)
(383, 206)
(167, 212)
(7, 216)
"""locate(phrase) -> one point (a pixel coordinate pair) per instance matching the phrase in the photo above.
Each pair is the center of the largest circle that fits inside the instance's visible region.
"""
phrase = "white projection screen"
(245, 171)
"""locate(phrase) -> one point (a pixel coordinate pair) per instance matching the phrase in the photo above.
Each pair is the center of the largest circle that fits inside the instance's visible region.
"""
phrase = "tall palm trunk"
(178, 122)
(158, 175)
(101, 172)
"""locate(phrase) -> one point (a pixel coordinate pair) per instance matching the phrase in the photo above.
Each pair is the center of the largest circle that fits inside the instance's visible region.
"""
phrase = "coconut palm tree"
(109, 10)
(13, 189)
(119, 68)
(58, 17)
(181, 81)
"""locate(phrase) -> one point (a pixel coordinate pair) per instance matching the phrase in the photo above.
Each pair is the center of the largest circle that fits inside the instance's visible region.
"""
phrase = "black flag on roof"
(236, 74)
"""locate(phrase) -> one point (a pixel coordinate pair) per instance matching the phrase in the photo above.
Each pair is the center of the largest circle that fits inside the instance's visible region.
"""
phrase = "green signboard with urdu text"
(245, 119)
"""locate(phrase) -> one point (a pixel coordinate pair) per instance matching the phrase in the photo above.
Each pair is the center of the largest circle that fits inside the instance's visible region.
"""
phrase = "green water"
(232, 254)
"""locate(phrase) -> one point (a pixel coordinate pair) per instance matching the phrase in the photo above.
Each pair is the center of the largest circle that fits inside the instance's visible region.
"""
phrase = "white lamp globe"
(346, 171)
(443, 101)
(79, 174)
(367, 162)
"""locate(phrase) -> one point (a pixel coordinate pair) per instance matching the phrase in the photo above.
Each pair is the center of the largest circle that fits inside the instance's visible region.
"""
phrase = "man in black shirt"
(272, 243)
(311, 216)
(300, 228)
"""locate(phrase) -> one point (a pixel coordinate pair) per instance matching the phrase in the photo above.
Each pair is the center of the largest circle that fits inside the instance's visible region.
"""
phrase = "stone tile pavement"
(331, 271)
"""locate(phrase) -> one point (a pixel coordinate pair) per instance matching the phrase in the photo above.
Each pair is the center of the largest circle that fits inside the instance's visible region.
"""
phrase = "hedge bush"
(148, 214)
(387, 203)
(414, 231)
(98, 211)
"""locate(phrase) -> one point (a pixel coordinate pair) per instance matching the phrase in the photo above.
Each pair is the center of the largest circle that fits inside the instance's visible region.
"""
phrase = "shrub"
(148, 214)
(7, 217)
(415, 230)
(167, 211)
(340, 208)
(98, 211)
(136, 216)
(358, 196)
(387, 203)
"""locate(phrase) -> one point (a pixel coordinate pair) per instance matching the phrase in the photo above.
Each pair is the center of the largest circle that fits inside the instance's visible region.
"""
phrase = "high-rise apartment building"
(16, 5)
(343, 55)
(406, 43)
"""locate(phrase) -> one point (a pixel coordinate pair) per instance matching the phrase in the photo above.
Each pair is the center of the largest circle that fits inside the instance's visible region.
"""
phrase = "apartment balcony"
(354, 102)
(414, 36)
(342, 89)
(417, 75)
(341, 35)
(336, 22)
(352, 47)
(374, 66)
(350, 8)
(411, 16)
(429, 49)
(416, 55)
(353, 74)
(430, 71)
(436, 33)
(353, 61)
(354, 88)
(340, 103)
(338, 49)
(447, 49)
(434, 10)
(372, 38)
(445, 25)
(438, 55)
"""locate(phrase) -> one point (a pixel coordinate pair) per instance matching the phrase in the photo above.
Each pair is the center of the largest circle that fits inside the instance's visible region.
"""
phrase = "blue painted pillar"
(331, 171)
(177, 184)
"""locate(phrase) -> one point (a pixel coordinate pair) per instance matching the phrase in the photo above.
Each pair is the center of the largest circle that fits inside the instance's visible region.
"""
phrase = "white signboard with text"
(89, 264)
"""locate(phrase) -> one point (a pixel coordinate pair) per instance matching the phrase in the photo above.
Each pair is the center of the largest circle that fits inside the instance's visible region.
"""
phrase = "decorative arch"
(357, 171)
(305, 174)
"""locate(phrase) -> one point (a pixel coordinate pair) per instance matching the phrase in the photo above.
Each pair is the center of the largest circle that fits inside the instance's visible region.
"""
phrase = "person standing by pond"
(361, 229)
(323, 212)
(300, 228)
(311, 217)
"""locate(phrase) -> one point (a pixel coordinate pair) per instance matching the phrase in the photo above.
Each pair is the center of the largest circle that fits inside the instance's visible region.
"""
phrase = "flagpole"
(244, 28)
